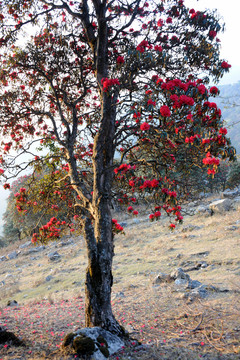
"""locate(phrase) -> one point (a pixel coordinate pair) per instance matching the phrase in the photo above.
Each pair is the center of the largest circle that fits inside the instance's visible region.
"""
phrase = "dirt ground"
(50, 294)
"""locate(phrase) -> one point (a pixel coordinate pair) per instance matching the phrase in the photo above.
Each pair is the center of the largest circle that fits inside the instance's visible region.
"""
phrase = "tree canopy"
(106, 95)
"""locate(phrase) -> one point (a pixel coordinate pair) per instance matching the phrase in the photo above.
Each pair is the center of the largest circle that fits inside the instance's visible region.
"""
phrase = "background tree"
(233, 178)
(96, 77)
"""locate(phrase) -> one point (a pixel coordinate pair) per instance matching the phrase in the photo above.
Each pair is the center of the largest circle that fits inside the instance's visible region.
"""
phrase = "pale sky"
(229, 10)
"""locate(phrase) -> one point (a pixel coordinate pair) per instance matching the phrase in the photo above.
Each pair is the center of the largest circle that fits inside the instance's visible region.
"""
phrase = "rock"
(8, 337)
(12, 303)
(25, 245)
(123, 224)
(181, 284)
(236, 203)
(179, 274)
(35, 250)
(193, 284)
(221, 206)
(191, 227)
(119, 295)
(95, 342)
(66, 243)
(12, 255)
(161, 278)
(231, 227)
(53, 256)
(230, 193)
(3, 258)
(48, 278)
(203, 210)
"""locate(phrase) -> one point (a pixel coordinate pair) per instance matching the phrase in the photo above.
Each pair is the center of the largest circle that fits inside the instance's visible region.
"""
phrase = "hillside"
(172, 321)
(229, 103)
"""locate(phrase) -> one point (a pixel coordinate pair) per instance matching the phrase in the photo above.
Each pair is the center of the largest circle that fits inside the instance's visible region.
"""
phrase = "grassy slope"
(154, 314)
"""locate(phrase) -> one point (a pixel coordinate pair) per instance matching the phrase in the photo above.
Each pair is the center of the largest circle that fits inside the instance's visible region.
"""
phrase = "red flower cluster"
(155, 216)
(108, 83)
(223, 131)
(158, 48)
(202, 89)
(151, 102)
(149, 184)
(210, 160)
(225, 65)
(144, 126)
(214, 90)
(165, 111)
(212, 34)
(191, 139)
(143, 45)
(117, 228)
(160, 23)
(123, 168)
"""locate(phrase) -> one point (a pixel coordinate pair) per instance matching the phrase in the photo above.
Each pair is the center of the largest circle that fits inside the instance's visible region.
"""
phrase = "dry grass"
(169, 326)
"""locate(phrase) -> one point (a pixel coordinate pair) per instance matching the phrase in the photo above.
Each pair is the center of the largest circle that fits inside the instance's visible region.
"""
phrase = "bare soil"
(168, 325)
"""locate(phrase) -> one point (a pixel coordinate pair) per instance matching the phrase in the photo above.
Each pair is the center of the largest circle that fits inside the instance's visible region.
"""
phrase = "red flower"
(154, 183)
(151, 217)
(172, 226)
(214, 90)
(144, 126)
(160, 23)
(120, 60)
(135, 212)
(157, 214)
(202, 89)
(158, 48)
(225, 65)
(130, 208)
(151, 102)
(223, 131)
(165, 111)
(169, 20)
(108, 83)
(212, 34)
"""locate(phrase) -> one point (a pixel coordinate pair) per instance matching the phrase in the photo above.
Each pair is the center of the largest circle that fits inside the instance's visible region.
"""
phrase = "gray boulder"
(203, 210)
(161, 278)
(96, 343)
(221, 206)
(179, 274)
(230, 194)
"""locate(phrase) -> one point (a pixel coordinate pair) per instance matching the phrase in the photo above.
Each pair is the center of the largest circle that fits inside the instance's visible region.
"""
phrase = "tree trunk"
(99, 280)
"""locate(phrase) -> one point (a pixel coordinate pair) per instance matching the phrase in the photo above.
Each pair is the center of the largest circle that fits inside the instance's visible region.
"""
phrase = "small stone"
(25, 245)
(12, 255)
(48, 278)
(53, 256)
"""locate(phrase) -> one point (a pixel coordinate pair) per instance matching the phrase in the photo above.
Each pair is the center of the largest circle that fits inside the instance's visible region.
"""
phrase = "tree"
(233, 178)
(16, 224)
(99, 78)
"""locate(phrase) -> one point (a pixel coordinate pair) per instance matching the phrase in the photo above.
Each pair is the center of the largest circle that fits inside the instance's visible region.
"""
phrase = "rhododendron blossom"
(144, 126)
(165, 111)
